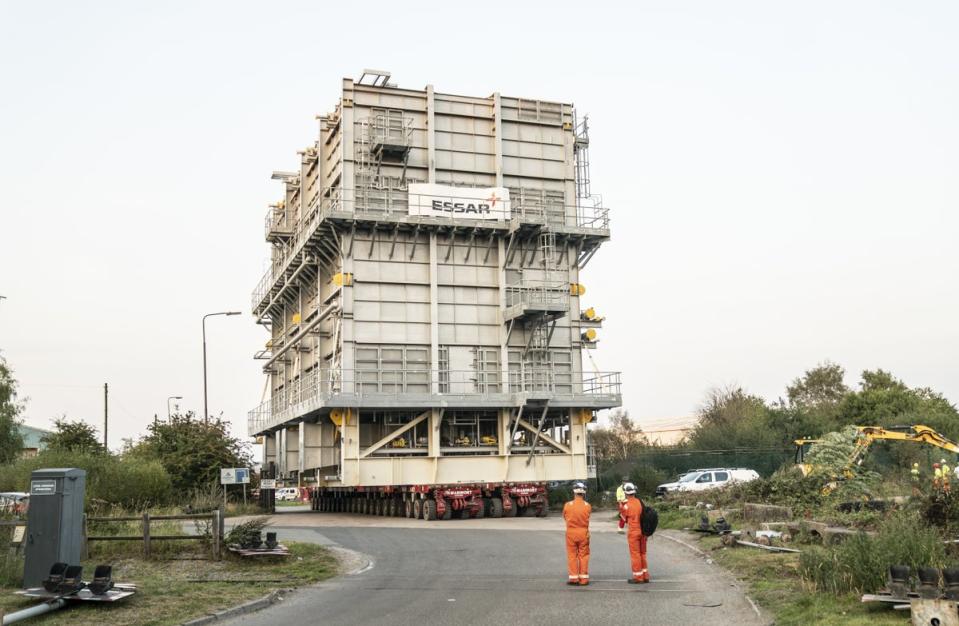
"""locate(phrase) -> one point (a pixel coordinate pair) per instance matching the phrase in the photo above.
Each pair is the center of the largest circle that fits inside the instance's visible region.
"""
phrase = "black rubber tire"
(481, 510)
(448, 514)
(429, 510)
(418, 509)
(408, 508)
(495, 507)
(543, 511)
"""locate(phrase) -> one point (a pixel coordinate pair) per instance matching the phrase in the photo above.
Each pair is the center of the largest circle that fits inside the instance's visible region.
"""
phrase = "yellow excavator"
(865, 436)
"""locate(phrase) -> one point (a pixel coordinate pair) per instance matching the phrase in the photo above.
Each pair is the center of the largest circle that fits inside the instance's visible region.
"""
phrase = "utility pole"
(106, 393)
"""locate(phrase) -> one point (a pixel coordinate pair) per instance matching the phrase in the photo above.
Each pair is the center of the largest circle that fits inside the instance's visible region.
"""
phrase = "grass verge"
(772, 580)
(175, 590)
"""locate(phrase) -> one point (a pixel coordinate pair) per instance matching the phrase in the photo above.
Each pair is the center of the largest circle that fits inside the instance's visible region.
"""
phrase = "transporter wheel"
(417, 509)
(429, 510)
(543, 511)
(448, 513)
(512, 511)
(392, 510)
(352, 507)
(365, 506)
(496, 507)
(407, 508)
(481, 510)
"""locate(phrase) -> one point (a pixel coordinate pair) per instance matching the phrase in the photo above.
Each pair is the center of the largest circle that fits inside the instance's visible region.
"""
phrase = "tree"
(618, 441)
(72, 436)
(191, 450)
(821, 386)
(11, 441)
(735, 429)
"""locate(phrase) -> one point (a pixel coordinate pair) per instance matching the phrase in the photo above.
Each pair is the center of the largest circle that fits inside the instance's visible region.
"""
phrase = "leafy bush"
(191, 450)
(859, 564)
(941, 509)
(558, 496)
(128, 482)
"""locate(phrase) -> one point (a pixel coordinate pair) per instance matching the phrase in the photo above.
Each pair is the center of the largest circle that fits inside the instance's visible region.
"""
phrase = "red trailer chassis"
(431, 502)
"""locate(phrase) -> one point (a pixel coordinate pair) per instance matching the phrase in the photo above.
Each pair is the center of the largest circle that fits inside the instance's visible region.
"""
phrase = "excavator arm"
(866, 435)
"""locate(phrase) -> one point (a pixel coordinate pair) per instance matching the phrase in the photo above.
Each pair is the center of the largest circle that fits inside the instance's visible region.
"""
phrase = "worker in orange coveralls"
(635, 538)
(576, 513)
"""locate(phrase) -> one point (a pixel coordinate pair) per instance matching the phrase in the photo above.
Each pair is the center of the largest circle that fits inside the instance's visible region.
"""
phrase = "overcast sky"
(782, 179)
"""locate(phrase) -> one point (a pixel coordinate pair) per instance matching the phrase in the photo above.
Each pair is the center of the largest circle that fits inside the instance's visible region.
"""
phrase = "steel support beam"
(396, 433)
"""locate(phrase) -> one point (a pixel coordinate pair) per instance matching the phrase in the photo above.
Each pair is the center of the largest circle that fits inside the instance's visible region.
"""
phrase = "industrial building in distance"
(428, 325)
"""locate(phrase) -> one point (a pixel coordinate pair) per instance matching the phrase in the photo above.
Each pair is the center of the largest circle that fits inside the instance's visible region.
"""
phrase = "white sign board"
(267, 483)
(473, 203)
(234, 476)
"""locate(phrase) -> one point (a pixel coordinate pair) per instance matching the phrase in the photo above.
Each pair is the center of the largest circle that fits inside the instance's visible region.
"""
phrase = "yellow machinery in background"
(866, 435)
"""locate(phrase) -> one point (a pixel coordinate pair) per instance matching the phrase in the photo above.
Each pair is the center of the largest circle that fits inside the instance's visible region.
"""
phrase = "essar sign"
(476, 203)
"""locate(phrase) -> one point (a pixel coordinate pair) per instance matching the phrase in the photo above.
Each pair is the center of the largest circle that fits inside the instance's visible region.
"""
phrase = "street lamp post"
(168, 416)
(206, 414)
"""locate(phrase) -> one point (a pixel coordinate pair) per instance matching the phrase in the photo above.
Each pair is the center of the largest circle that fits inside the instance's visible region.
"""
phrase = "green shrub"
(860, 563)
(130, 482)
(558, 496)
(941, 509)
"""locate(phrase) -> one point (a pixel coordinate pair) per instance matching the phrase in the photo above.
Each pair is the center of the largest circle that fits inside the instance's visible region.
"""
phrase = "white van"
(287, 493)
(709, 478)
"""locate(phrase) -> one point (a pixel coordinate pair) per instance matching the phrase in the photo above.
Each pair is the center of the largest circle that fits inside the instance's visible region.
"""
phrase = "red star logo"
(492, 199)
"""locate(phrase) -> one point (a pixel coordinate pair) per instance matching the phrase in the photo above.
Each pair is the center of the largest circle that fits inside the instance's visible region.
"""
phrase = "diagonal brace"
(393, 435)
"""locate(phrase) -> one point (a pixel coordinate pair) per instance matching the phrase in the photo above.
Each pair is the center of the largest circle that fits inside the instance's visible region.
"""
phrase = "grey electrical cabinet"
(54, 522)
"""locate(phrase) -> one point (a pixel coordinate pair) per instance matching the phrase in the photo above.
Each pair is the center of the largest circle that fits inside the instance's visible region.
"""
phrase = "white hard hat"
(629, 488)
(579, 488)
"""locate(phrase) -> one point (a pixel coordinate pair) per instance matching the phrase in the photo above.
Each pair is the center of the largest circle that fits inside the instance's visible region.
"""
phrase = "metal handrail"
(537, 292)
(320, 385)
(378, 203)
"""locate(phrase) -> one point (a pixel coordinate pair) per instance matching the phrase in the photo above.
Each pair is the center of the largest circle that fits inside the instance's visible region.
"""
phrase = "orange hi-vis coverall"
(576, 513)
(636, 540)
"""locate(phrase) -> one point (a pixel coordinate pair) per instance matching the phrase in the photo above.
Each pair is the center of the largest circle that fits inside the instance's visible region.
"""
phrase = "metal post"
(106, 393)
(206, 413)
(168, 412)
(215, 534)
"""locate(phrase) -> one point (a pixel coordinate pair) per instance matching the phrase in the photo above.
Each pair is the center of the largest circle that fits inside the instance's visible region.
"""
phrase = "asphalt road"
(438, 573)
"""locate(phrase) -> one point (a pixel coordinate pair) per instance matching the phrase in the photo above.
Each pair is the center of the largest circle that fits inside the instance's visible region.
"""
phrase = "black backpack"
(648, 519)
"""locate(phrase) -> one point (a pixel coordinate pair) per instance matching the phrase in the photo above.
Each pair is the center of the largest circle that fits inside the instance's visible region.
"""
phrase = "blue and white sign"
(234, 476)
